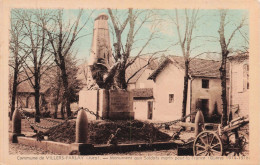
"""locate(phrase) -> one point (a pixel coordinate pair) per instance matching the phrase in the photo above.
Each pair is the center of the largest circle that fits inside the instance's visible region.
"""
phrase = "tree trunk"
(185, 90)
(15, 84)
(55, 110)
(120, 77)
(66, 95)
(37, 97)
(37, 104)
(56, 103)
(222, 69)
(224, 88)
(62, 109)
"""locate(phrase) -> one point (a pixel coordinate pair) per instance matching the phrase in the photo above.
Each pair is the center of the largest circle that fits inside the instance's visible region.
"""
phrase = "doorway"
(204, 106)
(150, 110)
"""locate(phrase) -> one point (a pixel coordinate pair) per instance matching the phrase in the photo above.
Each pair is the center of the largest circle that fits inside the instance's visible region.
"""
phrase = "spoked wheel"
(238, 146)
(208, 143)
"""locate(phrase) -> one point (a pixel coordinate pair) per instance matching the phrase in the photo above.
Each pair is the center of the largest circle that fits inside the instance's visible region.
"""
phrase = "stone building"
(204, 89)
(141, 86)
(139, 73)
(25, 97)
(239, 84)
(143, 103)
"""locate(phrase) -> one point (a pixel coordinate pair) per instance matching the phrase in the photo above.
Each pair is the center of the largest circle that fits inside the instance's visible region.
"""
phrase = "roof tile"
(198, 67)
(143, 93)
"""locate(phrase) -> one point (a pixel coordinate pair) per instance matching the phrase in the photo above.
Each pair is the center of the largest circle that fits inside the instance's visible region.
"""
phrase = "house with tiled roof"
(143, 103)
(139, 71)
(141, 86)
(26, 93)
(204, 89)
(25, 97)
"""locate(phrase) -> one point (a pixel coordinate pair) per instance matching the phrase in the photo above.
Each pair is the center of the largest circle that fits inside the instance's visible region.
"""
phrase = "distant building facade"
(25, 97)
(138, 74)
(239, 84)
(204, 89)
(143, 103)
(141, 86)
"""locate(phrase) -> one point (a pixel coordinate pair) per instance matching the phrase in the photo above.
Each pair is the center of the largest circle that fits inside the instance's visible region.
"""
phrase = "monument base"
(109, 104)
(121, 115)
(14, 137)
(120, 105)
(81, 148)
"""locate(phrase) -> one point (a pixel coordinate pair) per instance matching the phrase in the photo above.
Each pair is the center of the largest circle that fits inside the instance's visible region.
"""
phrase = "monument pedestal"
(109, 104)
(120, 105)
(121, 115)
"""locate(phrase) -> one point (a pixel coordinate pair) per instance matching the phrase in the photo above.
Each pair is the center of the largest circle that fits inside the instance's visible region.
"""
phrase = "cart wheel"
(239, 146)
(208, 143)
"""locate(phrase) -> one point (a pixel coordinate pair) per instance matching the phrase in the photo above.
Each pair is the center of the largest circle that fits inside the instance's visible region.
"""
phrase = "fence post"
(199, 121)
(16, 126)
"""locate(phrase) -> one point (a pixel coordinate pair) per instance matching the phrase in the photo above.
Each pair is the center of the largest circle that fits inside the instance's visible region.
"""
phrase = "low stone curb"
(55, 147)
(89, 149)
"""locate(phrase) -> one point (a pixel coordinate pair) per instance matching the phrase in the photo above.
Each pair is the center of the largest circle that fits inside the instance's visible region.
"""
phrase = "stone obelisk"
(101, 47)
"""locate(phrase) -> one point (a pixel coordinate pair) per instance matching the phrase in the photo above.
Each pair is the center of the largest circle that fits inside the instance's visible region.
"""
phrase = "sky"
(206, 27)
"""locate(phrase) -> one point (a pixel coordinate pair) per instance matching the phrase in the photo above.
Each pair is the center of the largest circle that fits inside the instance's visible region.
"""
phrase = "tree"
(17, 57)
(185, 41)
(123, 49)
(39, 60)
(224, 44)
(75, 85)
(56, 85)
(62, 36)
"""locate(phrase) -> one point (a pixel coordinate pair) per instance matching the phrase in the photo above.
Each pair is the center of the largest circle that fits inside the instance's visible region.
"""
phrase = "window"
(205, 83)
(171, 98)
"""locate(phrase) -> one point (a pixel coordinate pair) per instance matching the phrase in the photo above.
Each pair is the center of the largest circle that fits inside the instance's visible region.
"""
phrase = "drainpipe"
(98, 101)
(230, 87)
(191, 79)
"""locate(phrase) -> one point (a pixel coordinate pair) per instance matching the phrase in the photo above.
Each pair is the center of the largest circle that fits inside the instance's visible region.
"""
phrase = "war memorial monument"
(96, 96)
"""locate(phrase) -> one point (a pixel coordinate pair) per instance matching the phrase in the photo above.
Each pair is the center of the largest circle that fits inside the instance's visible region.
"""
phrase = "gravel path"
(19, 149)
